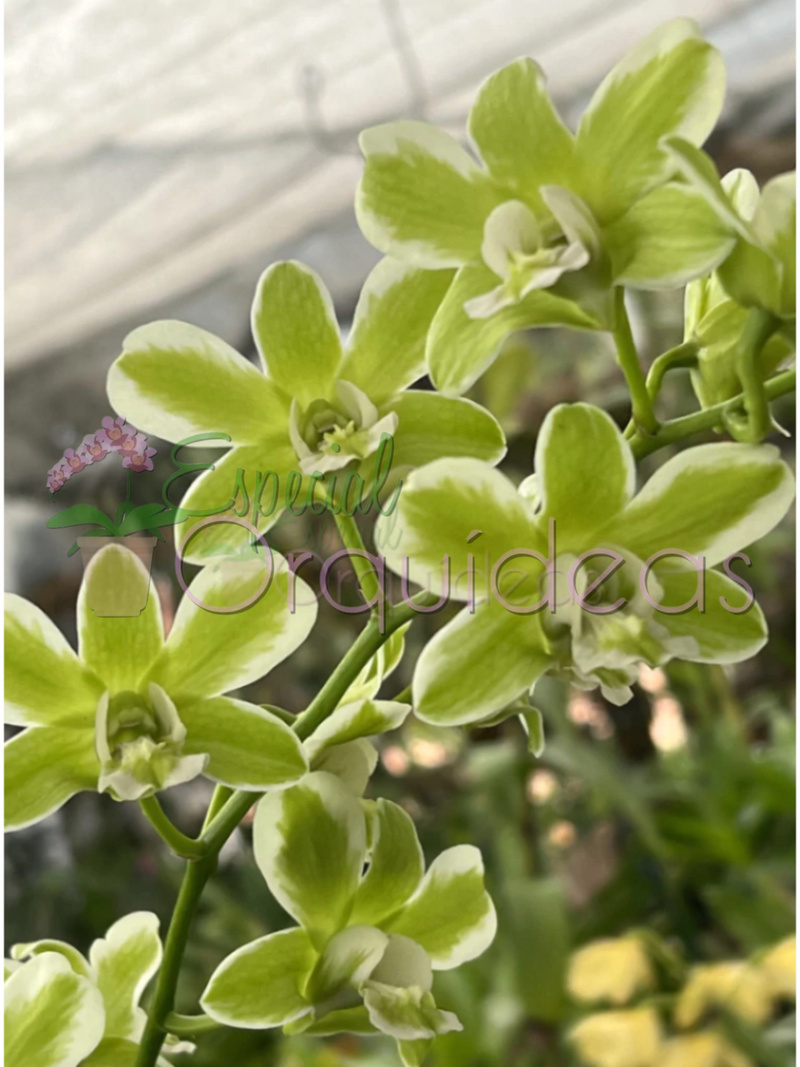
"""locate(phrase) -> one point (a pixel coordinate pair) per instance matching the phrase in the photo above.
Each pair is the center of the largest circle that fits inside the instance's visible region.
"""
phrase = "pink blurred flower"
(95, 447)
(115, 433)
(73, 462)
(131, 445)
(141, 458)
(56, 477)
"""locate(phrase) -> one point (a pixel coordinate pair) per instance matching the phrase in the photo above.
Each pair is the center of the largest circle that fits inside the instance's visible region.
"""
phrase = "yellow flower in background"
(779, 966)
(614, 969)
(618, 1038)
(737, 986)
(708, 1049)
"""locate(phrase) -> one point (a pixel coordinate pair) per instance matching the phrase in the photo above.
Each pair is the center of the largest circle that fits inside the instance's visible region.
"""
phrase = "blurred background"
(158, 157)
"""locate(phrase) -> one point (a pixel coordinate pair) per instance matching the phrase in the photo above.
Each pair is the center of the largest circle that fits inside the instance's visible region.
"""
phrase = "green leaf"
(478, 664)
(248, 748)
(53, 1017)
(118, 649)
(666, 239)
(209, 651)
(44, 767)
(396, 866)
(124, 961)
(349, 958)
(45, 682)
(386, 348)
(518, 132)
(310, 842)
(450, 915)
(422, 198)
(460, 348)
(148, 517)
(537, 927)
(433, 427)
(175, 380)
(259, 986)
(364, 718)
(711, 499)
(296, 332)
(585, 472)
(80, 514)
(671, 83)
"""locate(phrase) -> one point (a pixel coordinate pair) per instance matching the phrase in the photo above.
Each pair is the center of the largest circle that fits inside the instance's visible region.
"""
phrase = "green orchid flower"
(561, 612)
(761, 270)
(363, 956)
(63, 1009)
(134, 713)
(542, 230)
(311, 406)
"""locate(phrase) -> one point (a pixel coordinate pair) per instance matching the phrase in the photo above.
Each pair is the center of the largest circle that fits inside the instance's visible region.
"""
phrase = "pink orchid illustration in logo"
(140, 459)
(57, 476)
(95, 447)
(74, 462)
(116, 432)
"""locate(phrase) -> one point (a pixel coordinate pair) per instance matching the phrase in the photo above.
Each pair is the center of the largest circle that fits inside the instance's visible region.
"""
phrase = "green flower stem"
(628, 359)
(756, 422)
(365, 572)
(682, 356)
(708, 419)
(228, 808)
(181, 845)
(197, 874)
(189, 1025)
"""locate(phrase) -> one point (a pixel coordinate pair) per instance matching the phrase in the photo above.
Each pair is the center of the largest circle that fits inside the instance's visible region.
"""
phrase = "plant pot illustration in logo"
(109, 599)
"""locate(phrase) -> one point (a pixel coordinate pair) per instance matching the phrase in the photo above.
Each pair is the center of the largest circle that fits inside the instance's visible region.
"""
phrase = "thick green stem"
(628, 359)
(181, 845)
(682, 356)
(708, 419)
(197, 874)
(756, 422)
(365, 572)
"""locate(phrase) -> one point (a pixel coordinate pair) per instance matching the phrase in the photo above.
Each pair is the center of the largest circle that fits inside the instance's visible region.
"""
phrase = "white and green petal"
(667, 238)
(261, 984)
(119, 650)
(246, 484)
(310, 843)
(431, 426)
(44, 767)
(460, 348)
(352, 763)
(296, 332)
(396, 866)
(710, 500)
(441, 507)
(406, 1013)
(518, 133)
(671, 83)
(720, 635)
(422, 198)
(386, 347)
(379, 667)
(117, 1052)
(348, 959)
(358, 719)
(176, 380)
(53, 1016)
(36, 948)
(585, 472)
(247, 747)
(45, 683)
(451, 916)
(478, 664)
(124, 961)
(228, 633)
